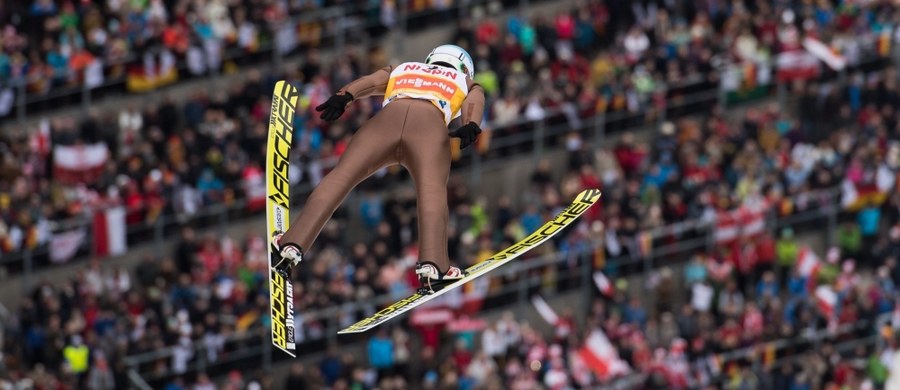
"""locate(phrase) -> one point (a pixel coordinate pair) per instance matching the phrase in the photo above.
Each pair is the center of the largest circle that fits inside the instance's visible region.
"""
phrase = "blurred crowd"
(639, 59)
(51, 43)
(211, 288)
(178, 157)
(76, 334)
(683, 349)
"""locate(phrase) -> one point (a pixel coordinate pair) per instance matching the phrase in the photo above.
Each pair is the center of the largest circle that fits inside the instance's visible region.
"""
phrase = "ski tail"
(280, 137)
(582, 203)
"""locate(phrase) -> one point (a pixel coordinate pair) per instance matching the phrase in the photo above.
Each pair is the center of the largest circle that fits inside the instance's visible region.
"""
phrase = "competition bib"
(444, 87)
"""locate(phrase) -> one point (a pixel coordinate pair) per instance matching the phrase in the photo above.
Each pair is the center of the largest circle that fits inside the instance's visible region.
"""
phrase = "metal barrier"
(522, 279)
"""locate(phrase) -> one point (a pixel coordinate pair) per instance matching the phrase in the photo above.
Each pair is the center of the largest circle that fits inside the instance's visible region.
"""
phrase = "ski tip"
(289, 353)
(589, 195)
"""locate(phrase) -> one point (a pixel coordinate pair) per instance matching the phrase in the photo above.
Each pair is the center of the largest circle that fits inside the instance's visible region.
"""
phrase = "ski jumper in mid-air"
(420, 101)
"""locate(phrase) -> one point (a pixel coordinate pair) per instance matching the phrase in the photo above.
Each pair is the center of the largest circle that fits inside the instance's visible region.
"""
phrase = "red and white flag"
(432, 316)
(254, 187)
(545, 311)
(808, 265)
(109, 232)
(79, 164)
(727, 227)
(796, 65)
(601, 357)
(753, 218)
(40, 139)
(64, 246)
(808, 262)
(603, 284)
(826, 300)
(466, 324)
(834, 61)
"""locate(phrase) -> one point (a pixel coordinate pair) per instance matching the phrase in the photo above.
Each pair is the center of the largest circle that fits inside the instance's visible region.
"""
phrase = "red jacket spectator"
(747, 257)
(487, 32)
(571, 68)
(765, 249)
(753, 322)
(135, 204)
(628, 155)
(511, 50)
(565, 26)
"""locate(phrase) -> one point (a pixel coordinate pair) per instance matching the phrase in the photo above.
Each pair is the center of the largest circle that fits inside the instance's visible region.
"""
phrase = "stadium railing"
(534, 137)
(337, 25)
(520, 283)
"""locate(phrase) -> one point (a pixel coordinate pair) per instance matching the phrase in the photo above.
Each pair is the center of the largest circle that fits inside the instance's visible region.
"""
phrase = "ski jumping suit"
(420, 100)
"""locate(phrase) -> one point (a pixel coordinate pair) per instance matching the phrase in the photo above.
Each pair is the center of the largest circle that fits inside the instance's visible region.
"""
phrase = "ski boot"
(289, 255)
(431, 279)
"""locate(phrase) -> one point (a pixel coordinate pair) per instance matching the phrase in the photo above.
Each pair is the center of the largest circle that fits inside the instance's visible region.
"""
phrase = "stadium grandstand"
(748, 235)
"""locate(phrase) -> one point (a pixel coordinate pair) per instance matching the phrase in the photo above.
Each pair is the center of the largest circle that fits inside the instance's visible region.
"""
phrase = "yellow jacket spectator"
(76, 356)
(786, 248)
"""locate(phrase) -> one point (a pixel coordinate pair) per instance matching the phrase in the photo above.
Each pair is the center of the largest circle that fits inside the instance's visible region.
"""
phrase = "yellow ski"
(582, 202)
(281, 132)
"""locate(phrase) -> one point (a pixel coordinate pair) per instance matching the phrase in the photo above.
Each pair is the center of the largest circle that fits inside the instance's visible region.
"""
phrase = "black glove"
(334, 107)
(467, 134)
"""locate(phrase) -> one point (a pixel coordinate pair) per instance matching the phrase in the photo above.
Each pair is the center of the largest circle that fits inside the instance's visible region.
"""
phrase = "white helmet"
(454, 56)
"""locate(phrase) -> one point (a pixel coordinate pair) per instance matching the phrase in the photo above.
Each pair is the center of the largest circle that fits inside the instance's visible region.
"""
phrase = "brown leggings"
(408, 132)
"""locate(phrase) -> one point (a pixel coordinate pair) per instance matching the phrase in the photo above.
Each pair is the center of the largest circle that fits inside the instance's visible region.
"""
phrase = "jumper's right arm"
(370, 85)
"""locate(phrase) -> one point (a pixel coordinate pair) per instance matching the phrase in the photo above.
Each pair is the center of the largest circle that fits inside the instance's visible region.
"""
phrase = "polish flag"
(796, 65)
(826, 300)
(834, 61)
(603, 284)
(79, 164)
(808, 262)
(109, 232)
(425, 317)
(545, 311)
(601, 357)
(808, 265)
(254, 187)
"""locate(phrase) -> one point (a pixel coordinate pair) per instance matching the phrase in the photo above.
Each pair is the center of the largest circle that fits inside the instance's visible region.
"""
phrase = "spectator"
(381, 353)
(787, 250)
(296, 378)
(331, 367)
